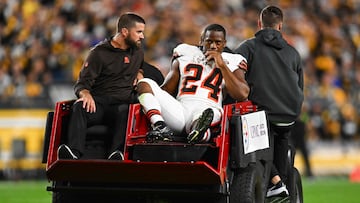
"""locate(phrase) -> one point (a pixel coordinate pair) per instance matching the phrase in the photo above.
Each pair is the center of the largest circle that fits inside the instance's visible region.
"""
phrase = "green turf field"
(331, 190)
(24, 192)
(318, 190)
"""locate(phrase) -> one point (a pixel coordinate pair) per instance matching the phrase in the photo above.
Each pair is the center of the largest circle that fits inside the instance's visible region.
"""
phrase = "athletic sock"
(151, 107)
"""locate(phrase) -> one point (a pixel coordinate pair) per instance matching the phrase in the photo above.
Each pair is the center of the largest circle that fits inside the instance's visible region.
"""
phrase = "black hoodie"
(109, 73)
(274, 75)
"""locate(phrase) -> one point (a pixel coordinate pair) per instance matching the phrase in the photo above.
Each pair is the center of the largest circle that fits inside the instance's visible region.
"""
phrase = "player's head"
(271, 17)
(131, 26)
(213, 37)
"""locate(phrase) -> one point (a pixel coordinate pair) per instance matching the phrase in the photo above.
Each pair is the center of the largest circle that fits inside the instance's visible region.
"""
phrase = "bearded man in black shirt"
(106, 82)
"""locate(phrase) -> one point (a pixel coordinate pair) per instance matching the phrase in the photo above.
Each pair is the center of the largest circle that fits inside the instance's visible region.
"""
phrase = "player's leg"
(160, 107)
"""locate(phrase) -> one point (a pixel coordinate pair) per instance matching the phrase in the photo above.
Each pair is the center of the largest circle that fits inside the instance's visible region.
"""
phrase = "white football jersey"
(199, 80)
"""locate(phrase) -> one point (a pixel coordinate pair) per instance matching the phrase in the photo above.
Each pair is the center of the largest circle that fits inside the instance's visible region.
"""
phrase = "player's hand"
(215, 56)
(88, 101)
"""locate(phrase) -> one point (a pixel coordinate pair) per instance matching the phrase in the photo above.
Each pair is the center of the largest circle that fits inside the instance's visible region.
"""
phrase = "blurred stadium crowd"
(44, 43)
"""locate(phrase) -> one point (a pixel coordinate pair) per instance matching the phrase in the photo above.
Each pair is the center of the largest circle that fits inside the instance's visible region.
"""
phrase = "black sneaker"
(278, 190)
(116, 155)
(160, 132)
(64, 152)
(200, 126)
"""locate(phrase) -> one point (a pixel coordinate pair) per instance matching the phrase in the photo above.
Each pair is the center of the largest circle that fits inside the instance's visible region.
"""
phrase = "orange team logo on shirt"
(126, 59)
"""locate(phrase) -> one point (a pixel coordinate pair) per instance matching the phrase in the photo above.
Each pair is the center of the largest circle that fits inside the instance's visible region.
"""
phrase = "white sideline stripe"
(22, 122)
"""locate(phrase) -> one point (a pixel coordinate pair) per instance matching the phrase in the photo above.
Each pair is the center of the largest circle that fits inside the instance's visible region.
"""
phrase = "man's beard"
(131, 43)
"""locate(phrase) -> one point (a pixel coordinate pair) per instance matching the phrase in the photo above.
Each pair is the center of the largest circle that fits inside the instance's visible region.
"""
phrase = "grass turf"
(330, 190)
(24, 192)
(319, 190)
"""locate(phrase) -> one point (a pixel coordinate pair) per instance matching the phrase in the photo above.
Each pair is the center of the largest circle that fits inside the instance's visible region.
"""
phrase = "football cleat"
(201, 125)
(160, 132)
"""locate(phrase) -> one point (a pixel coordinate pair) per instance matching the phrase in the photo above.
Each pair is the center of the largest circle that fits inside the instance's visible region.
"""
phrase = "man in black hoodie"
(106, 82)
(275, 78)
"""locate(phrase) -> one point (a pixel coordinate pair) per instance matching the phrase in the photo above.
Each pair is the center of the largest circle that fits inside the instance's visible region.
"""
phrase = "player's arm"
(236, 84)
(171, 81)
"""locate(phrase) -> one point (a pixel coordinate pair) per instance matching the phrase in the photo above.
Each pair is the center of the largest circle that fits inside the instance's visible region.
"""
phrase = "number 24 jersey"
(201, 80)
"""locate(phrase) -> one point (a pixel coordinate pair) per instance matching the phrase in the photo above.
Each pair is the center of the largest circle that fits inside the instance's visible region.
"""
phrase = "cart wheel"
(242, 188)
(296, 192)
